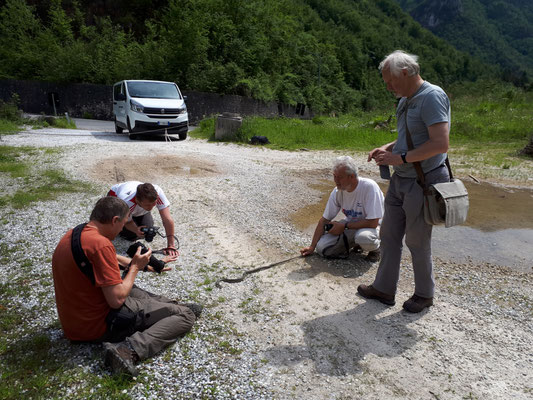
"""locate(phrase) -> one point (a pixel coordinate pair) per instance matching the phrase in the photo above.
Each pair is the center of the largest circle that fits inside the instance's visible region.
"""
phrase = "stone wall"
(95, 101)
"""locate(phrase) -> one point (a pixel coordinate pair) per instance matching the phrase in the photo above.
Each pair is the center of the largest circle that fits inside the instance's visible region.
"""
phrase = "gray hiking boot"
(120, 358)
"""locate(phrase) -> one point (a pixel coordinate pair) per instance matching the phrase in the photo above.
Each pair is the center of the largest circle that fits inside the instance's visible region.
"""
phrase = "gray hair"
(399, 60)
(346, 162)
(108, 207)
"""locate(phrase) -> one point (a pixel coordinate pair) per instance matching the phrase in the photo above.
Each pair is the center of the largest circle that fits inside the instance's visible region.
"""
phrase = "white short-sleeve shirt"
(365, 202)
(127, 191)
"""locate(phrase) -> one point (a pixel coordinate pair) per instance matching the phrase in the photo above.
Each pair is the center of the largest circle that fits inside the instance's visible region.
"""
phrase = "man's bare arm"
(116, 295)
(437, 144)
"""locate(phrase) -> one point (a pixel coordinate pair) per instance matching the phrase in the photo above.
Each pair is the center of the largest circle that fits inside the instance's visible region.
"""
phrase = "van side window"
(116, 90)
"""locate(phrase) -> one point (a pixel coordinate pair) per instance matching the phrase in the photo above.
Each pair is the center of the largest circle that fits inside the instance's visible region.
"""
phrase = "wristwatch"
(403, 155)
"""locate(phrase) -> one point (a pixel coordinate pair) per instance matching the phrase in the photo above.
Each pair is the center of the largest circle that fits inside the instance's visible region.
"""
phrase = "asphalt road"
(94, 125)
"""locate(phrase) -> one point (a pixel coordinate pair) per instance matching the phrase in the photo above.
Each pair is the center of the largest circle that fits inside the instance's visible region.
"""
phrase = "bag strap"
(449, 168)
(346, 248)
(417, 164)
(81, 259)
(339, 196)
(411, 146)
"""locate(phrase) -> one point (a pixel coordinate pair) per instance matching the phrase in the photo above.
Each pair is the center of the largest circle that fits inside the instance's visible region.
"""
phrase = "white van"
(149, 107)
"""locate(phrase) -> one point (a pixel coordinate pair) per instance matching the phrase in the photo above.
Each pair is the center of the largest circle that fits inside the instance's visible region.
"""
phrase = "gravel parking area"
(297, 330)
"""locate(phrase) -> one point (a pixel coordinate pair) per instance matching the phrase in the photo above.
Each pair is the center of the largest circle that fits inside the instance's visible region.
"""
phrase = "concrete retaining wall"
(95, 101)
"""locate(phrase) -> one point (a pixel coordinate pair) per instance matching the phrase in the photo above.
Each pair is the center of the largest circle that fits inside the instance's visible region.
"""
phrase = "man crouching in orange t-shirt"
(100, 306)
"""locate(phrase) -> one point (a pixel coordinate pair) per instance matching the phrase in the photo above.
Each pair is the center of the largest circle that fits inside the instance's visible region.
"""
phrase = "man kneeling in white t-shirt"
(361, 201)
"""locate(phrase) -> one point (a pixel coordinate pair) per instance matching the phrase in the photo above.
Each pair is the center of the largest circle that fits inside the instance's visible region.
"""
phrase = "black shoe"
(195, 308)
(369, 292)
(416, 303)
(120, 358)
(373, 256)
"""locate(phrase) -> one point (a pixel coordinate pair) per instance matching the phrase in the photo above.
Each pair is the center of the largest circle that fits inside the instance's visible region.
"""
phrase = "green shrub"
(9, 110)
(205, 130)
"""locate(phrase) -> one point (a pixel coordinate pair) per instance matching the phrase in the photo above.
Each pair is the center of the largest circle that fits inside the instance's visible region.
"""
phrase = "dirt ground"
(301, 325)
(316, 337)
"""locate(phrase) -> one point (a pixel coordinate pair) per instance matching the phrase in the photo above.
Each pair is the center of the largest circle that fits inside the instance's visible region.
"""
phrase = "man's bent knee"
(367, 239)
(186, 320)
(320, 246)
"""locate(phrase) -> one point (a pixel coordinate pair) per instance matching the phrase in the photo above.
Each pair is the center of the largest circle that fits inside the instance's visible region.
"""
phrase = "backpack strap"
(81, 259)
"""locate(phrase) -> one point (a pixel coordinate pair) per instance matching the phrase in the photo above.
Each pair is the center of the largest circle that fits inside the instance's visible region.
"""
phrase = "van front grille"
(154, 110)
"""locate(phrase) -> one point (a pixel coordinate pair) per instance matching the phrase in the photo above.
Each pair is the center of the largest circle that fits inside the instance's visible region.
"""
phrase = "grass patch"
(8, 127)
(34, 366)
(34, 181)
(47, 121)
(205, 130)
(490, 121)
(498, 116)
(355, 132)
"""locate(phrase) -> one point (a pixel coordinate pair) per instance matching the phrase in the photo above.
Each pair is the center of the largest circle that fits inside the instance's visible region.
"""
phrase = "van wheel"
(182, 136)
(118, 129)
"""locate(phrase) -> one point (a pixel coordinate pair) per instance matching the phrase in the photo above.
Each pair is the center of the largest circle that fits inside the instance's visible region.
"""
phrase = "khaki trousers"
(162, 322)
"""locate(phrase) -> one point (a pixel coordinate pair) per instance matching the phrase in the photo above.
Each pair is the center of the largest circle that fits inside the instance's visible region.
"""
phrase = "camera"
(156, 264)
(149, 233)
(327, 227)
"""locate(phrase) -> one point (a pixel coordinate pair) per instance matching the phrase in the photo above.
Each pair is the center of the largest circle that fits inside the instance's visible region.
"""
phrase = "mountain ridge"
(494, 31)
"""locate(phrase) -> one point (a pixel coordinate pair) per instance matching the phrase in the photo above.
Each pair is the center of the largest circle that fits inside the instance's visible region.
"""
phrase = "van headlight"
(182, 110)
(136, 106)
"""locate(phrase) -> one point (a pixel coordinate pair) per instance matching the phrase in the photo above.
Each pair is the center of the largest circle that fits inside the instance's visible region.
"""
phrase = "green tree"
(19, 52)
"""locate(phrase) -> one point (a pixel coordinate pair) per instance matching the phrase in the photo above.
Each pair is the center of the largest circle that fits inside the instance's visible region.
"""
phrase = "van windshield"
(153, 90)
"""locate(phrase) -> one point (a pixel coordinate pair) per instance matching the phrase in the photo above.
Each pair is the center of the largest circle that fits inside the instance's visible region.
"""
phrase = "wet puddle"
(499, 227)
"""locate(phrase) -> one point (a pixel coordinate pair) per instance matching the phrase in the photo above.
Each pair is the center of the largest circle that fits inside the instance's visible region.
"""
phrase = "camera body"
(327, 227)
(149, 232)
(156, 264)
(133, 249)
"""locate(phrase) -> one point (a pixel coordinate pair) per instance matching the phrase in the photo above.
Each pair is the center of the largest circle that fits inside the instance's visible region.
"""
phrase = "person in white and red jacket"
(141, 198)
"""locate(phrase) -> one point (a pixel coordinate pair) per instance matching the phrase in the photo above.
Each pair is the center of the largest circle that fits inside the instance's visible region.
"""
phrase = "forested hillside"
(323, 53)
(497, 31)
